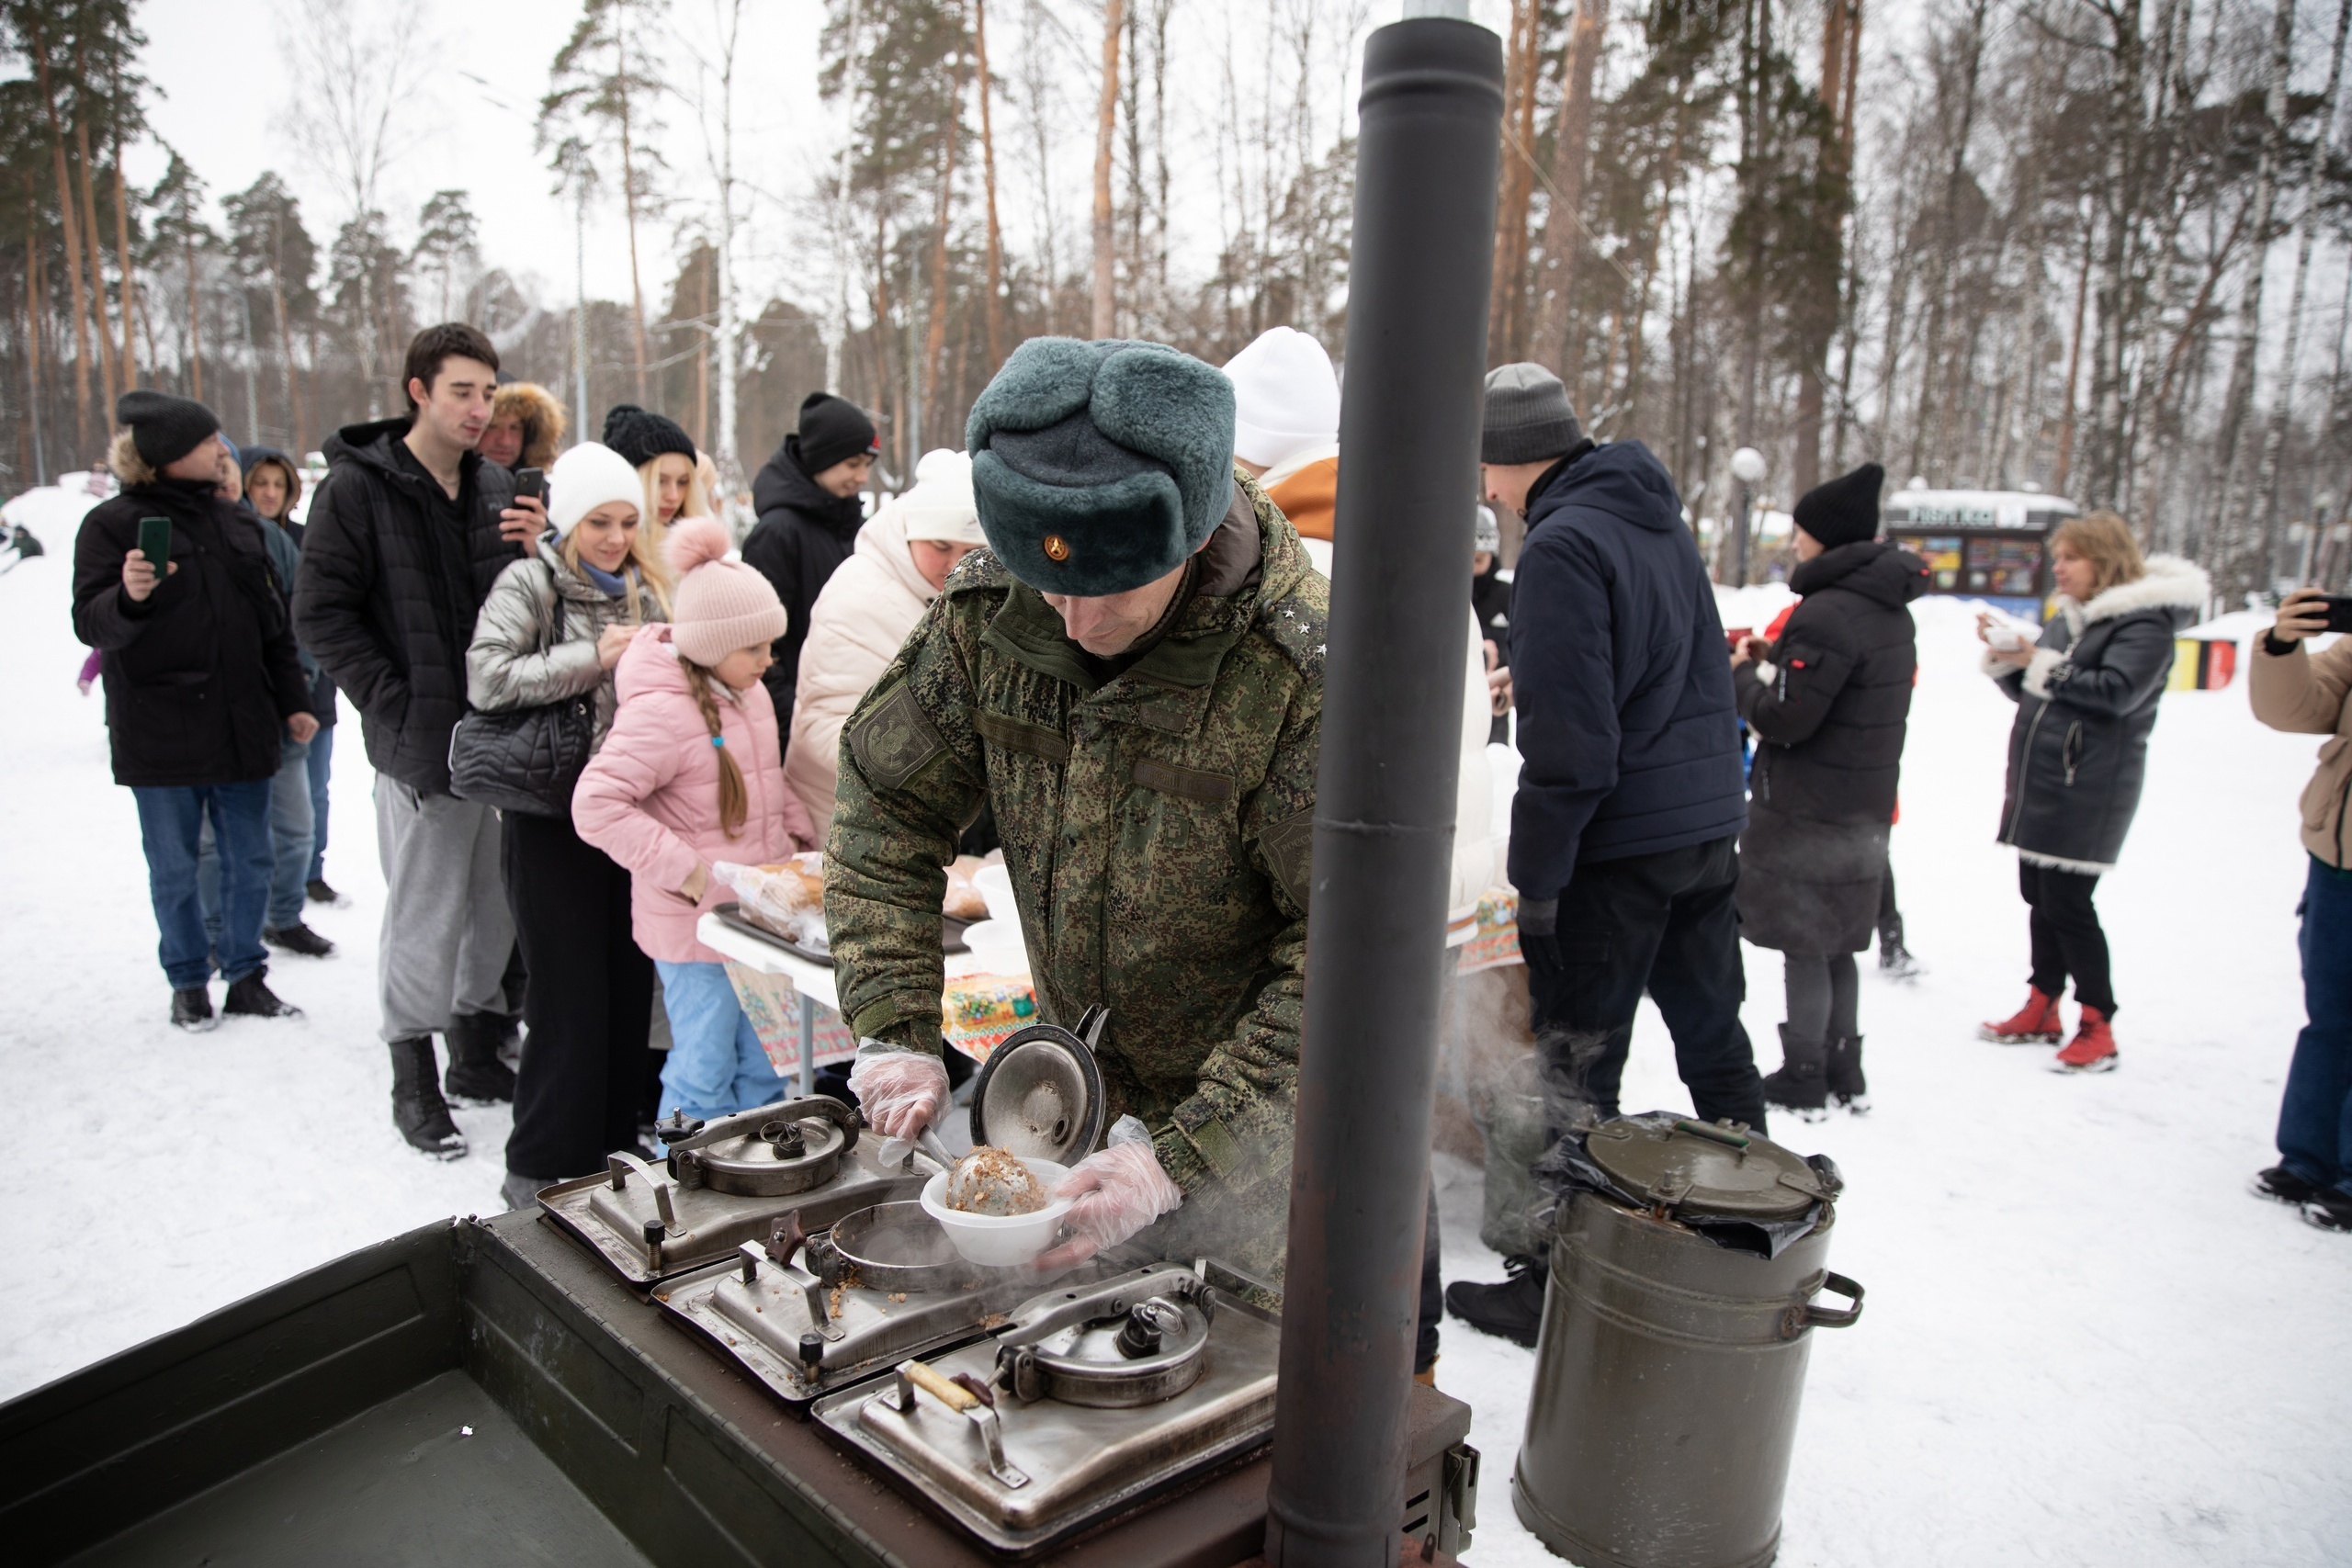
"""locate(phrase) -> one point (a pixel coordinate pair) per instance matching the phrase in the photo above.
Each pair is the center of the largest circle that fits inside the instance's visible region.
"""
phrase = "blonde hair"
(643, 553)
(534, 408)
(2105, 540)
(734, 799)
(128, 464)
(697, 501)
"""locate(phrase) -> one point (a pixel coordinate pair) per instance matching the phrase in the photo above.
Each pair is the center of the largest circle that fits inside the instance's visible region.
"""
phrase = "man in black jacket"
(1625, 830)
(201, 671)
(405, 538)
(810, 515)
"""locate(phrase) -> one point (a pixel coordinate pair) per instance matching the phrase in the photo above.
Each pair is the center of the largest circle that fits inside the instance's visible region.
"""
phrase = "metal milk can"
(1677, 1319)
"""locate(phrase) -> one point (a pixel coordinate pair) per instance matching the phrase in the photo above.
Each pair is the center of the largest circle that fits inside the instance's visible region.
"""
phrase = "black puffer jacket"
(1829, 705)
(200, 676)
(389, 589)
(804, 534)
(2078, 752)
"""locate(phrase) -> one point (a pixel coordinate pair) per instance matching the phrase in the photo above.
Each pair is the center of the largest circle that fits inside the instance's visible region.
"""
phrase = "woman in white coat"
(899, 564)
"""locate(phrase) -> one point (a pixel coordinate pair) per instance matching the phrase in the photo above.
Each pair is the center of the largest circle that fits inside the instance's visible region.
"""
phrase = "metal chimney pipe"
(1426, 164)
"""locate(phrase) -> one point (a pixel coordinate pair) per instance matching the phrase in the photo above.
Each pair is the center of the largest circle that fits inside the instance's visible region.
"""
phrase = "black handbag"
(528, 759)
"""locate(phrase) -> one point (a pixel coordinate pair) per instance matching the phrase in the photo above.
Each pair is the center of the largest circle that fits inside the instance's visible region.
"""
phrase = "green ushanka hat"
(1100, 467)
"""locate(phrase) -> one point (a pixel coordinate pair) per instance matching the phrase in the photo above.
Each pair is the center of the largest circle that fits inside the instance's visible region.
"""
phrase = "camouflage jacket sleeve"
(1235, 1129)
(912, 777)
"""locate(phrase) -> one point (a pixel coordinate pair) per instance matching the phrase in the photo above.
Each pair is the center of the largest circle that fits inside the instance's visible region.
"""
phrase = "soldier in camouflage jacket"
(1155, 809)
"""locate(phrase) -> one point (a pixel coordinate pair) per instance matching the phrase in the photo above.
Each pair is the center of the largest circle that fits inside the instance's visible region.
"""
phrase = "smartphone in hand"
(156, 541)
(531, 482)
(2339, 611)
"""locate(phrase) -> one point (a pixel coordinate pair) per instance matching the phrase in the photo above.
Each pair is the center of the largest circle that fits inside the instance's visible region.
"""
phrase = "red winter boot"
(2036, 1024)
(2092, 1050)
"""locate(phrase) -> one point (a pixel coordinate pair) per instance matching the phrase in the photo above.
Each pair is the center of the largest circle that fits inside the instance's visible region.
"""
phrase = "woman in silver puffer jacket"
(555, 625)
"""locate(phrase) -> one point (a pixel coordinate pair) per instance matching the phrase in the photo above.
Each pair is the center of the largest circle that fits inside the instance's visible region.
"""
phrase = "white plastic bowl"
(995, 883)
(999, 1241)
(998, 946)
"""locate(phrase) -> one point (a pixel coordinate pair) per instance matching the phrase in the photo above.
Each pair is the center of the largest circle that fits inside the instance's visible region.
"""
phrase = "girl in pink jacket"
(692, 773)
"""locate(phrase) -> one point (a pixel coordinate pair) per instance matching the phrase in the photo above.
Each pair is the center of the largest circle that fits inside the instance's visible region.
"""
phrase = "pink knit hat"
(722, 604)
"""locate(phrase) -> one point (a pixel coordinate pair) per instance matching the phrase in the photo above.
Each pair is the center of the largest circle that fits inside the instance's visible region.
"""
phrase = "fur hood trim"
(2168, 583)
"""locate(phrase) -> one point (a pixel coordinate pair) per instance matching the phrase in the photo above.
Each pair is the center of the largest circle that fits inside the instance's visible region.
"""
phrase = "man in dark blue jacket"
(1626, 829)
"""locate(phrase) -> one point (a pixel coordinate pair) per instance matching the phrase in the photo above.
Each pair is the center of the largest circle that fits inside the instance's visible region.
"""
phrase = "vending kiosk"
(1982, 544)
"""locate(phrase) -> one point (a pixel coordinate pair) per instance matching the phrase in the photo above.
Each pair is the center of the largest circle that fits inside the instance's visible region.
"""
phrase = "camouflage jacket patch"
(894, 738)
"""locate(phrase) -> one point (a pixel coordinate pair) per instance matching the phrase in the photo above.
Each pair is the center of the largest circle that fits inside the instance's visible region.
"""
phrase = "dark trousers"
(2315, 1113)
(2066, 935)
(1890, 917)
(172, 820)
(1825, 997)
(588, 1004)
(1663, 923)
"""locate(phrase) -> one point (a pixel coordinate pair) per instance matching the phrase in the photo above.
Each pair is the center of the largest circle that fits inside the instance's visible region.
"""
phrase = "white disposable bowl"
(998, 946)
(999, 1241)
(995, 883)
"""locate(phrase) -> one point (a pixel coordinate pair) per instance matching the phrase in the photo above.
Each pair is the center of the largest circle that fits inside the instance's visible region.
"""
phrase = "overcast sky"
(224, 68)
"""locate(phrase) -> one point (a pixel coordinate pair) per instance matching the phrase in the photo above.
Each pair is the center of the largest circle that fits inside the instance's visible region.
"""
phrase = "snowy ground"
(2084, 1343)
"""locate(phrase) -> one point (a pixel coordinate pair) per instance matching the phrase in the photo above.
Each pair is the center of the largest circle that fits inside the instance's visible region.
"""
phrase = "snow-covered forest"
(2092, 246)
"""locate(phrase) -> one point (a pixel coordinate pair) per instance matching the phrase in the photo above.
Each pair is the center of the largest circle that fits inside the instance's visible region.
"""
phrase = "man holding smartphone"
(405, 538)
(172, 588)
(2310, 694)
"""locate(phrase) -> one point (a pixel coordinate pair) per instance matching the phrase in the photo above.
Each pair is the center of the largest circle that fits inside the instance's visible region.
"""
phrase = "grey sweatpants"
(447, 929)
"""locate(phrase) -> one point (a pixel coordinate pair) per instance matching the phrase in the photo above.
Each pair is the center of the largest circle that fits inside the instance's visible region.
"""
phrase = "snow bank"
(52, 512)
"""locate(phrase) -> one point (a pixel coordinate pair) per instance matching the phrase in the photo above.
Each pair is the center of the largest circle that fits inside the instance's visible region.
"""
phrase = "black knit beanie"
(1845, 510)
(164, 428)
(832, 430)
(641, 435)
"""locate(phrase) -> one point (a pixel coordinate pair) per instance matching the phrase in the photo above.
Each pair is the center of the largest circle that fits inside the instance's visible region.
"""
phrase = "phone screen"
(155, 540)
(2339, 611)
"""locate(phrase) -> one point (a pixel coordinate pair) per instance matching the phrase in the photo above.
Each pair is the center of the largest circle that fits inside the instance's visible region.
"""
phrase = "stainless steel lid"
(1704, 1170)
(1039, 1094)
(790, 1147)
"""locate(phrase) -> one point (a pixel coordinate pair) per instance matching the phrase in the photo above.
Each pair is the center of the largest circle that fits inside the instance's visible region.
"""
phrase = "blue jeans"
(289, 834)
(716, 1065)
(171, 824)
(321, 766)
(2315, 1113)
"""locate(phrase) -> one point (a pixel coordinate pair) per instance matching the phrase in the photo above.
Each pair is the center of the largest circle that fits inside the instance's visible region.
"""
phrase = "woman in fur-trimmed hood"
(2086, 700)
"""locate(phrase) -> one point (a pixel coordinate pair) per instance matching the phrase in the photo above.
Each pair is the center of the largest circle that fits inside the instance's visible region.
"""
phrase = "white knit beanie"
(939, 506)
(584, 479)
(1285, 396)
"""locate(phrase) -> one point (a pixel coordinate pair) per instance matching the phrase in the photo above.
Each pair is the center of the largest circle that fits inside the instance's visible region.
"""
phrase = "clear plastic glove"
(899, 1092)
(1119, 1189)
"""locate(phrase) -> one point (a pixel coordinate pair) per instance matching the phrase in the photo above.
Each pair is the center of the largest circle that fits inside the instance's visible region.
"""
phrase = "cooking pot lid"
(1704, 1170)
(1040, 1096)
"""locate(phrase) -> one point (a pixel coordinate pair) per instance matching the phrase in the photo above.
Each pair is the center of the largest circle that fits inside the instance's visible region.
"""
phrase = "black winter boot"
(418, 1109)
(1846, 1085)
(297, 938)
(476, 1075)
(1802, 1085)
(252, 998)
(1511, 1309)
(192, 1009)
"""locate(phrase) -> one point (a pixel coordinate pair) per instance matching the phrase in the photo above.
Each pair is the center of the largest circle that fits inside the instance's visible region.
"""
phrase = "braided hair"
(734, 800)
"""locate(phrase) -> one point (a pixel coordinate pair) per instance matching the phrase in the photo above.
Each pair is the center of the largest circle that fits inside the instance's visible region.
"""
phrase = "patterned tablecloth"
(1495, 942)
(978, 1011)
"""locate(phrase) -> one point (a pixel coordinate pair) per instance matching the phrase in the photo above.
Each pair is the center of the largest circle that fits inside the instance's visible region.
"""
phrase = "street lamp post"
(1747, 467)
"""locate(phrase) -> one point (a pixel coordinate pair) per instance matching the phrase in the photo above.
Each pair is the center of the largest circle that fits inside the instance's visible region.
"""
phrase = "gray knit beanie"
(1528, 418)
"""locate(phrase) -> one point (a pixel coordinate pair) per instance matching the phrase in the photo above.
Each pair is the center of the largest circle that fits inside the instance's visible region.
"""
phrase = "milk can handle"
(1837, 1284)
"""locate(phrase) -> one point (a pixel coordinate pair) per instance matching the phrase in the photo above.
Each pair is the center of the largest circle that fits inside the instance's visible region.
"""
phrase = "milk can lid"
(1704, 1170)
